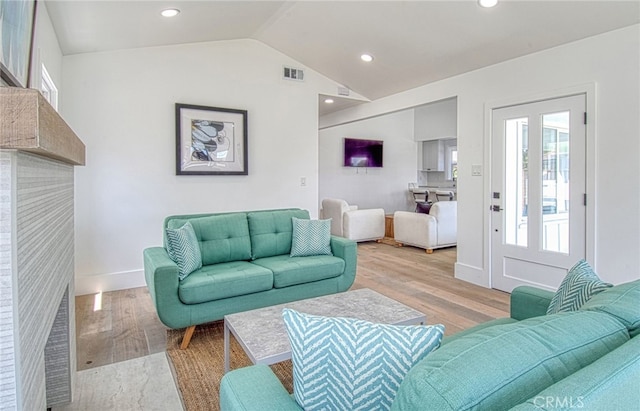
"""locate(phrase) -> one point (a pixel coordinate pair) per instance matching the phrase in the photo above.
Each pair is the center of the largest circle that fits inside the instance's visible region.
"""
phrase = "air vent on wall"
(290, 73)
(343, 91)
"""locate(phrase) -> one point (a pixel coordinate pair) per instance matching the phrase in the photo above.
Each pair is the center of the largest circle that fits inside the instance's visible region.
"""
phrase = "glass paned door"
(537, 185)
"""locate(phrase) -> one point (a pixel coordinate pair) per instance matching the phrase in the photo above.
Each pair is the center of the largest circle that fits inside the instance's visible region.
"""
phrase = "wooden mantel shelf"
(29, 123)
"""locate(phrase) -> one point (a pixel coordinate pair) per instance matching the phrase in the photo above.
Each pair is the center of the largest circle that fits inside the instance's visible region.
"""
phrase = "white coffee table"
(263, 336)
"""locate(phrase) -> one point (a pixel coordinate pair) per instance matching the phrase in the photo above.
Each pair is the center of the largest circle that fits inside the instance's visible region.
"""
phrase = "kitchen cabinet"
(433, 155)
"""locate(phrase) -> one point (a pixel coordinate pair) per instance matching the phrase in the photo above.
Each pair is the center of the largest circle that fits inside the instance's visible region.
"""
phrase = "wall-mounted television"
(362, 153)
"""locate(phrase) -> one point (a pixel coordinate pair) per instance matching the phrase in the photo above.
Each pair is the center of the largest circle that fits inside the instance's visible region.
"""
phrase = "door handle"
(495, 208)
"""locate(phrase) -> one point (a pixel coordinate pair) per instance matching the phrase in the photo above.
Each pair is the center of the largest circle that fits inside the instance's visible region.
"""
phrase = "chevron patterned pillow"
(349, 364)
(580, 284)
(310, 237)
(184, 250)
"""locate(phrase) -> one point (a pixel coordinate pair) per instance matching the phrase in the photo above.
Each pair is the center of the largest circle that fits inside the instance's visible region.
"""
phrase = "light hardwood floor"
(125, 325)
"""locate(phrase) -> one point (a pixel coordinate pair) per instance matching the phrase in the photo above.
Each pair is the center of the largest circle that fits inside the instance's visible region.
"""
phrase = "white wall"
(384, 187)
(437, 120)
(611, 61)
(121, 104)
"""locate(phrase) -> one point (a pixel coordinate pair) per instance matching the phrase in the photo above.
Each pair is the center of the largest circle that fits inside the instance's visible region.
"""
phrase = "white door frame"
(590, 175)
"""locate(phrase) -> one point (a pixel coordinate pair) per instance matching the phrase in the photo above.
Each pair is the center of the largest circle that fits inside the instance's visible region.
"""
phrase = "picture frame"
(211, 140)
(17, 20)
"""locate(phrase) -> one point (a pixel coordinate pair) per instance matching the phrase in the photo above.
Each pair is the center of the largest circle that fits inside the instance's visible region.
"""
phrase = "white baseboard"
(472, 275)
(91, 284)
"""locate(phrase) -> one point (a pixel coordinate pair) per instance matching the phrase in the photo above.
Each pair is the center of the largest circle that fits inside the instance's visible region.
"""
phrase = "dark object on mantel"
(29, 123)
(423, 208)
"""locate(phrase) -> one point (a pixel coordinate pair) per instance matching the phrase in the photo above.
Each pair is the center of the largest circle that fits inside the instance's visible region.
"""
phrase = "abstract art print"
(210, 140)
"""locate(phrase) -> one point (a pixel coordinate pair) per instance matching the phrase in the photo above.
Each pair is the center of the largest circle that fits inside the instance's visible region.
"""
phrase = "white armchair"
(349, 222)
(434, 230)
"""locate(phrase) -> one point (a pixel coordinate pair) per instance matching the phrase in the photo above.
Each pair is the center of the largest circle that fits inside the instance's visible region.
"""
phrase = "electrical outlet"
(303, 181)
(476, 170)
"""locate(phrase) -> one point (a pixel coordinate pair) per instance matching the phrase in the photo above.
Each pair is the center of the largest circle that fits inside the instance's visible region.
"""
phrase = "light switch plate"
(476, 170)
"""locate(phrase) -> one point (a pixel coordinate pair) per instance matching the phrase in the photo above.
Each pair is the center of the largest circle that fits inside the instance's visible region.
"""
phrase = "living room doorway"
(538, 186)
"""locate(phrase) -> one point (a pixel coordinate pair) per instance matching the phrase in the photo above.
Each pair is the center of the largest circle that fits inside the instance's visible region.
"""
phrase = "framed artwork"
(16, 34)
(210, 140)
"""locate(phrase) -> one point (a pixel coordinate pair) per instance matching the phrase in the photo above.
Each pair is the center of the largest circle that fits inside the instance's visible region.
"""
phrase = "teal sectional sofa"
(246, 264)
(586, 359)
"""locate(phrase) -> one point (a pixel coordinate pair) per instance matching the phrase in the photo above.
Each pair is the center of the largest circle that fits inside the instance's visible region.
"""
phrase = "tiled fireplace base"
(37, 328)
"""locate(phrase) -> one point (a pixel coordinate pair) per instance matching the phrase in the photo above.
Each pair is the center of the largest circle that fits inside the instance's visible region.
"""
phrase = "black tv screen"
(362, 153)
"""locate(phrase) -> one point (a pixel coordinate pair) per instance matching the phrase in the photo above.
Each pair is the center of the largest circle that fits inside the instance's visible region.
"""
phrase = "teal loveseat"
(587, 359)
(246, 264)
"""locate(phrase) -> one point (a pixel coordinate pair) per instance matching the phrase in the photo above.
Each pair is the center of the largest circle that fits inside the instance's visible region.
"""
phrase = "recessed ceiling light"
(328, 100)
(170, 12)
(366, 57)
(487, 3)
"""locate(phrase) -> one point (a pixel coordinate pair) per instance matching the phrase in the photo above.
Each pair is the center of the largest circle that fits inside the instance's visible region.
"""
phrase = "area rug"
(200, 367)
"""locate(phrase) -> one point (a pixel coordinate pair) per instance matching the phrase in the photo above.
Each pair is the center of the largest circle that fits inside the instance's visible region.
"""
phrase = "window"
(49, 89)
(451, 163)
(555, 163)
(454, 163)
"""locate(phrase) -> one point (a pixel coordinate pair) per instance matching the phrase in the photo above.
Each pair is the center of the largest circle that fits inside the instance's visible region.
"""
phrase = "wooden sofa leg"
(429, 250)
(187, 337)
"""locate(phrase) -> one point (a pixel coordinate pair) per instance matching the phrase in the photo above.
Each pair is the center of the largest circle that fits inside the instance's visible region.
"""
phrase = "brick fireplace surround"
(38, 151)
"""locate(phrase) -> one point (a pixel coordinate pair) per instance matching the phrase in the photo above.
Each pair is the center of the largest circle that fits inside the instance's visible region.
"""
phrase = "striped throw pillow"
(580, 284)
(349, 364)
(184, 249)
(310, 237)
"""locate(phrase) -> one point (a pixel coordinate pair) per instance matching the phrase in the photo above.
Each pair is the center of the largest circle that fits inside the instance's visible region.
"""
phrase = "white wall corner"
(91, 284)
(471, 274)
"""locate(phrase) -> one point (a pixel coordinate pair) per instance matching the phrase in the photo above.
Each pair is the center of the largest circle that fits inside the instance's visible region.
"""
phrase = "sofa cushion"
(610, 383)
(622, 302)
(528, 302)
(497, 321)
(223, 237)
(502, 366)
(254, 388)
(224, 280)
(271, 231)
(289, 271)
(347, 364)
(580, 284)
(310, 237)
(184, 250)
(423, 207)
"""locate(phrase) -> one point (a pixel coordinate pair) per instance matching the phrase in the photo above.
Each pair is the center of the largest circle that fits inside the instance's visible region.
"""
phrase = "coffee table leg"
(226, 348)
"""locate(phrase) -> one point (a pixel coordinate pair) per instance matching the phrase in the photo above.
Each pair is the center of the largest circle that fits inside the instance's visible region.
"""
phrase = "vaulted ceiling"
(413, 42)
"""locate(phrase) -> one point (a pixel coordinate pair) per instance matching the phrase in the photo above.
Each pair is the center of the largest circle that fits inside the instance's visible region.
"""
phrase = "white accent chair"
(429, 231)
(349, 222)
